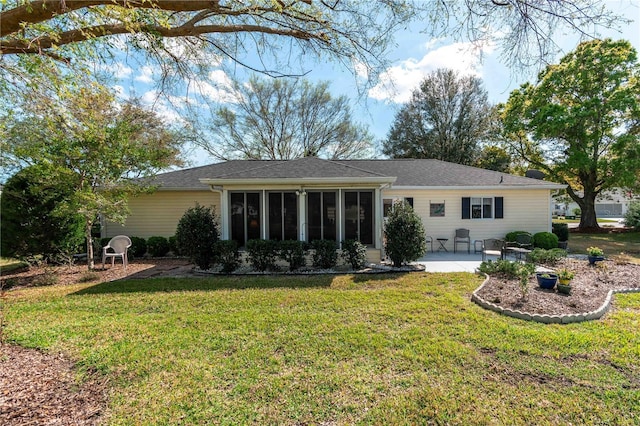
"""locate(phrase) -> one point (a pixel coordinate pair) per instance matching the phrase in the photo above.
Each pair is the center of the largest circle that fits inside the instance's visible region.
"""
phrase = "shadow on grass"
(154, 285)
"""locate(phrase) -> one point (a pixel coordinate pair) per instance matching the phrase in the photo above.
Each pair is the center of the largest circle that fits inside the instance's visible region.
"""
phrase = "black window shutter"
(466, 207)
(499, 202)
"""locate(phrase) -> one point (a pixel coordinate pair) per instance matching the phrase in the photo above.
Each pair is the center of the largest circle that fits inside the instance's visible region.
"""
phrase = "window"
(245, 216)
(321, 215)
(482, 207)
(283, 216)
(358, 216)
(436, 209)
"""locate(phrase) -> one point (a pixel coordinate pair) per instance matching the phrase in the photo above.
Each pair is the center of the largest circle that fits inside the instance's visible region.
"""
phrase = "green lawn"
(624, 246)
(390, 349)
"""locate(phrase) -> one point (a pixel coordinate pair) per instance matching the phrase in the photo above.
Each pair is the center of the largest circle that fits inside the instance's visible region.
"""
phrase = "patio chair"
(429, 240)
(524, 240)
(118, 246)
(493, 247)
(462, 237)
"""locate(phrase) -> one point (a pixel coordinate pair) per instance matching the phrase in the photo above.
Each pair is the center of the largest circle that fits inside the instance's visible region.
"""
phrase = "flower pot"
(547, 282)
(564, 288)
(594, 259)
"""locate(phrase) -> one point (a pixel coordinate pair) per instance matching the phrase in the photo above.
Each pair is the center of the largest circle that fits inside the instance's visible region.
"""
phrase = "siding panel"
(159, 213)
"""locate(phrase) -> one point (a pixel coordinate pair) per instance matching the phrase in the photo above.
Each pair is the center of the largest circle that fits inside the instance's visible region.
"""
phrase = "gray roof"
(408, 173)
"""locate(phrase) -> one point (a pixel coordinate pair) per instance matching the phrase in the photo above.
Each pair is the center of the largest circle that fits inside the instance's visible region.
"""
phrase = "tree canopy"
(93, 144)
(447, 118)
(281, 119)
(353, 32)
(577, 122)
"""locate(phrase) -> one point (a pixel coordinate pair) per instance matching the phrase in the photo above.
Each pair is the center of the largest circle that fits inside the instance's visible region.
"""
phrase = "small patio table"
(442, 242)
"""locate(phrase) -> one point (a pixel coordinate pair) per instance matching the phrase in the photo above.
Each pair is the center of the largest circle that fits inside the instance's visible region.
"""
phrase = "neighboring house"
(311, 198)
(614, 203)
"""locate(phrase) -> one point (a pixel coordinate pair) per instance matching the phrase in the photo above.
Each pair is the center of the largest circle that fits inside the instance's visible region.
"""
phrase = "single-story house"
(311, 198)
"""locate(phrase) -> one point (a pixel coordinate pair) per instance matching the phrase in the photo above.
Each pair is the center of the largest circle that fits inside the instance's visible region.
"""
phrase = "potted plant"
(564, 281)
(595, 254)
(546, 280)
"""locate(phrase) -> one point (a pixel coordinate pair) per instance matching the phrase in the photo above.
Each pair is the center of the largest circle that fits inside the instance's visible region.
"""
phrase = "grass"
(624, 246)
(389, 349)
(8, 264)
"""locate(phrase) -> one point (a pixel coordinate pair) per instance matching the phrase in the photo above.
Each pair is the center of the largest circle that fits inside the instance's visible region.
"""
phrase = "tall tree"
(446, 119)
(284, 119)
(96, 146)
(579, 116)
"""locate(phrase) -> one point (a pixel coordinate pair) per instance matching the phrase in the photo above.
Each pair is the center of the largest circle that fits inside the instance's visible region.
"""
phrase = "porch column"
(302, 216)
(377, 218)
(224, 214)
(339, 211)
(263, 215)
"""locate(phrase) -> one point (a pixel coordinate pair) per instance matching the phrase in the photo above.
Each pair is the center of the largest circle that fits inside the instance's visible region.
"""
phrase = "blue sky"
(414, 56)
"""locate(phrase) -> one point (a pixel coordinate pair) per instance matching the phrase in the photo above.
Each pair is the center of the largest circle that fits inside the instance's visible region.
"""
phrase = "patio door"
(245, 216)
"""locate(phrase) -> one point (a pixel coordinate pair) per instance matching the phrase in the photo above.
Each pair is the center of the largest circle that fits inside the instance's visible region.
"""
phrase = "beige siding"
(159, 213)
(524, 210)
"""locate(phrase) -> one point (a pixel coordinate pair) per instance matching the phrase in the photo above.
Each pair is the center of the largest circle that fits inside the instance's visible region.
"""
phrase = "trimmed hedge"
(263, 254)
(325, 254)
(293, 252)
(158, 246)
(354, 253)
(561, 230)
(545, 240)
(227, 255)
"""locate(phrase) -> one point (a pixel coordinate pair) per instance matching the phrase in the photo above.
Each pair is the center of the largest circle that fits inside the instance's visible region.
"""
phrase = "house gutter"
(481, 187)
(301, 181)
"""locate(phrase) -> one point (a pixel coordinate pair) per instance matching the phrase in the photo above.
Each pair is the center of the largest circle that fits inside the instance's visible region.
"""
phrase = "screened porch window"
(358, 217)
(321, 215)
(283, 216)
(245, 216)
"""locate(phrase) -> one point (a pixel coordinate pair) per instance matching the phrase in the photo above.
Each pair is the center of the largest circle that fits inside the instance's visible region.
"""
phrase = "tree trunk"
(588, 219)
(87, 232)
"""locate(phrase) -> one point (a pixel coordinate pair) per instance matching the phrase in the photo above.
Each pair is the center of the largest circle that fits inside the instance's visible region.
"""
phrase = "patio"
(461, 261)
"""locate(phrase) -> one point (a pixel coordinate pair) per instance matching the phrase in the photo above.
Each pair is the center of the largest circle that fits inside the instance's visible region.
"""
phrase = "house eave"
(477, 187)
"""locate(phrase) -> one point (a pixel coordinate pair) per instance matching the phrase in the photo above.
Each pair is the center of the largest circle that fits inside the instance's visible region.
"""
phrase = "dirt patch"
(589, 288)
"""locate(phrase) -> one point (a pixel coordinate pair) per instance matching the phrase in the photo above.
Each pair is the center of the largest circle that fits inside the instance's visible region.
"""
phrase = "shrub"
(325, 255)
(513, 235)
(263, 254)
(196, 234)
(173, 245)
(404, 235)
(632, 217)
(561, 230)
(138, 246)
(548, 257)
(354, 253)
(577, 211)
(519, 270)
(34, 223)
(227, 255)
(292, 251)
(158, 246)
(545, 240)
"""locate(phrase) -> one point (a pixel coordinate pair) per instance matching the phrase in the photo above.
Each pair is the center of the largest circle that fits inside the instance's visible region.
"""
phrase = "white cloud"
(397, 83)
(218, 87)
(164, 109)
(118, 69)
(146, 75)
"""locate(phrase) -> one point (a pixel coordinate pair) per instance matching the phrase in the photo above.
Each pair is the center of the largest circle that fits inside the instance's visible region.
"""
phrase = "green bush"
(561, 230)
(292, 251)
(545, 240)
(227, 255)
(263, 254)
(354, 253)
(34, 224)
(158, 246)
(577, 211)
(404, 235)
(138, 246)
(632, 217)
(513, 235)
(547, 257)
(196, 235)
(325, 254)
(173, 245)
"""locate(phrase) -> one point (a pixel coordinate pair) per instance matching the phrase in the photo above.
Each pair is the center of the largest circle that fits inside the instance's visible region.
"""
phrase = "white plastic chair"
(119, 244)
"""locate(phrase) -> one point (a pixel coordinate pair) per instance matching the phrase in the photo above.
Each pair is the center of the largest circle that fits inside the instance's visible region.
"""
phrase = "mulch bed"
(589, 288)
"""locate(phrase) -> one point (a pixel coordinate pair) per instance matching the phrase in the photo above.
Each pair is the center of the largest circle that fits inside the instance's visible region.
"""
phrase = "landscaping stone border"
(549, 319)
